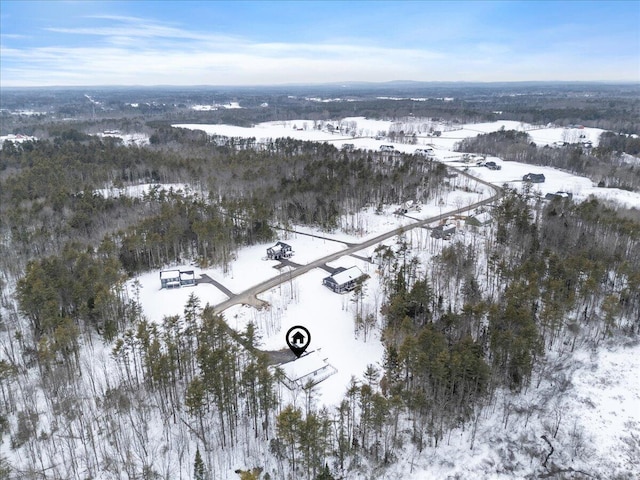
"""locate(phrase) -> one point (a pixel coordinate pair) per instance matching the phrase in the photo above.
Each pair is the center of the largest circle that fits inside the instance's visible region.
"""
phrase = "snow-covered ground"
(304, 300)
(365, 131)
(247, 268)
(556, 180)
(19, 138)
(270, 130)
(158, 303)
(597, 412)
(540, 135)
(360, 130)
(138, 191)
(328, 316)
(139, 139)
(216, 106)
(596, 416)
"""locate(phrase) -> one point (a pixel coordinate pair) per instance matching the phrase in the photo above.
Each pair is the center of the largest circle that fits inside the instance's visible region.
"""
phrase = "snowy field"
(138, 191)
(247, 268)
(139, 139)
(555, 181)
(540, 135)
(158, 303)
(361, 132)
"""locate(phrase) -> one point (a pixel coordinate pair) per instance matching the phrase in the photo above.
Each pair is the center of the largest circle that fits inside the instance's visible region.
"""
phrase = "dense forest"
(611, 107)
(77, 246)
(90, 388)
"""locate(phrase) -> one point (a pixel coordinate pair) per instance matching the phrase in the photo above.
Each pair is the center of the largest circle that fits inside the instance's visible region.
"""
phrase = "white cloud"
(135, 51)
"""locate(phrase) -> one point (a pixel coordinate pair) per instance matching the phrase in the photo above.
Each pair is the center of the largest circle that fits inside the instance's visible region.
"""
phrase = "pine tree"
(198, 467)
(325, 474)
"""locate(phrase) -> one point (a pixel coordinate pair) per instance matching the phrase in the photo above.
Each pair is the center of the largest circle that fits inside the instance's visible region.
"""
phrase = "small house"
(344, 279)
(427, 151)
(559, 196)
(443, 231)
(479, 220)
(177, 278)
(309, 369)
(169, 278)
(279, 250)
(534, 178)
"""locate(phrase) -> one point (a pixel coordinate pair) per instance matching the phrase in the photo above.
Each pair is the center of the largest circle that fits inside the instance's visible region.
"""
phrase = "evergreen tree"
(198, 467)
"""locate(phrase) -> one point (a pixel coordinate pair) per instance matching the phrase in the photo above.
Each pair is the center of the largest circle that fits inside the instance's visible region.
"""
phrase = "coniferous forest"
(90, 388)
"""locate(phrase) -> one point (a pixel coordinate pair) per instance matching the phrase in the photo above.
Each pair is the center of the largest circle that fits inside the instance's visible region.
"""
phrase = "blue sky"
(266, 43)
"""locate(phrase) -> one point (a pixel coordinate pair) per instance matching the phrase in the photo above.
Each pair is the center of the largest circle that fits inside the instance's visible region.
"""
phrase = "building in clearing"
(479, 220)
(445, 231)
(426, 152)
(169, 278)
(344, 279)
(308, 370)
(559, 196)
(534, 178)
(177, 278)
(279, 250)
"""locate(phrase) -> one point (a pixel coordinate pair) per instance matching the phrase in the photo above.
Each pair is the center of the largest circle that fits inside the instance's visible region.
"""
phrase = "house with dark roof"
(534, 178)
(445, 231)
(344, 279)
(279, 250)
(559, 196)
(479, 219)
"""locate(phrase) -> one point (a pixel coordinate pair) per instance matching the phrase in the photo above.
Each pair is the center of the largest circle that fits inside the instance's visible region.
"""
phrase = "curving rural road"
(248, 297)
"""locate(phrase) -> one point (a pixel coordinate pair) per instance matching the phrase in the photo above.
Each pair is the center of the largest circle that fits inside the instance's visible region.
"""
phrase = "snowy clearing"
(362, 135)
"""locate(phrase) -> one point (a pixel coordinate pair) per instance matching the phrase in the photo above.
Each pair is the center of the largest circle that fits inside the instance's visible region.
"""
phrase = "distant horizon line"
(339, 84)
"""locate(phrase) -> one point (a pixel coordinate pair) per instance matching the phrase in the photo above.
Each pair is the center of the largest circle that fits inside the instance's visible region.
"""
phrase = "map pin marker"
(298, 339)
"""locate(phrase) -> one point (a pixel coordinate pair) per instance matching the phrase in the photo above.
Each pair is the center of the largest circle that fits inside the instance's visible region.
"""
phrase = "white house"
(344, 279)
(177, 278)
(309, 369)
(169, 278)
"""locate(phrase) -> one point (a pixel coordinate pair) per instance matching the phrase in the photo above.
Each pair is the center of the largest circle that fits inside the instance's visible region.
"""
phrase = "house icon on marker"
(298, 338)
